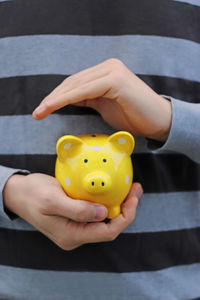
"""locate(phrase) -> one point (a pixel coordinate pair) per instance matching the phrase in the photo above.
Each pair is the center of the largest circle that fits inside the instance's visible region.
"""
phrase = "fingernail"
(40, 109)
(100, 212)
(139, 191)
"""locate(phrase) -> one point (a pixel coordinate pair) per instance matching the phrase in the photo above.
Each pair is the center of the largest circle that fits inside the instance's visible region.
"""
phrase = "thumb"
(78, 210)
(92, 103)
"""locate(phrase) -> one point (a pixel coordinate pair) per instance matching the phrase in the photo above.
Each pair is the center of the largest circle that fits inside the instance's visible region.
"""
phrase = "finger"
(101, 232)
(75, 209)
(75, 81)
(136, 190)
(128, 210)
(78, 79)
(68, 234)
(130, 204)
(57, 229)
(89, 90)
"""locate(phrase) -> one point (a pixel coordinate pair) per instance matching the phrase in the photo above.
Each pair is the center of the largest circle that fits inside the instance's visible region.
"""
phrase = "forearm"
(5, 174)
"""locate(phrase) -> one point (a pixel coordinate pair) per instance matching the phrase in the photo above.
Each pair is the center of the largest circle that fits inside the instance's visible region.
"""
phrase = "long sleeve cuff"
(5, 173)
(184, 136)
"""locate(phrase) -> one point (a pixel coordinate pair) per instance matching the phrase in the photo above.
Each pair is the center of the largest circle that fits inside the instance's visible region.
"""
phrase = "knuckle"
(116, 77)
(130, 219)
(69, 79)
(80, 214)
(68, 247)
(115, 61)
(127, 222)
(83, 89)
(85, 212)
(46, 203)
(77, 239)
(112, 236)
(48, 105)
(65, 245)
(62, 245)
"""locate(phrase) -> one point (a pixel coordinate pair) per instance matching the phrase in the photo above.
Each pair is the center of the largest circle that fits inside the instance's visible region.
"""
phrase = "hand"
(112, 87)
(41, 201)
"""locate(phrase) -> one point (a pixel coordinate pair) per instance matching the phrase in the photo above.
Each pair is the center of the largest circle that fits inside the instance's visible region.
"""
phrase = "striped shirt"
(41, 43)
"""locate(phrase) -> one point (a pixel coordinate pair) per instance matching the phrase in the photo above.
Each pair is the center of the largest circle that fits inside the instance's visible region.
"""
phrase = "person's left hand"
(123, 100)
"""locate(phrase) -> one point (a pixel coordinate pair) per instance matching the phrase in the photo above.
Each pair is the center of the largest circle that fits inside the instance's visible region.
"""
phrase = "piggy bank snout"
(97, 182)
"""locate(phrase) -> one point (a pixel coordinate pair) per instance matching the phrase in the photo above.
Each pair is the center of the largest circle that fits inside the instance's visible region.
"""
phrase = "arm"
(184, 136)
(112, 87)
(40, 200)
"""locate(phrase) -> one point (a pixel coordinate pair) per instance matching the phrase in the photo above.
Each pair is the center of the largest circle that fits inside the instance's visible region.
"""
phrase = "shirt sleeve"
(5, 173)
(184, 136)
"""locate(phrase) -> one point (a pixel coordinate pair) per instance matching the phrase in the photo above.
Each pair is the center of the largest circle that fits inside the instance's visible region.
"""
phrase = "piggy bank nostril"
(102, 183)
(97, 183)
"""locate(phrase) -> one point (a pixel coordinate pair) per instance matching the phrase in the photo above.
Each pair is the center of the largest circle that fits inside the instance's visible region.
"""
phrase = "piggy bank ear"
(68, 146)
(122, 141)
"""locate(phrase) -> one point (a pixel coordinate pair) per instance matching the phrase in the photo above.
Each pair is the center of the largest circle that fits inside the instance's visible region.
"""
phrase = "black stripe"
(182, 89)
(128, 253)
(152, 17)
(20, 95)
(157, 173)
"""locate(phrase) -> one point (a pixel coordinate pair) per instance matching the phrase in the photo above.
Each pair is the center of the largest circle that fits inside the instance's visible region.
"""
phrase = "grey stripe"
(68, 54)
(49, 130)
(173, 211)
(174, 283)
(193, 2)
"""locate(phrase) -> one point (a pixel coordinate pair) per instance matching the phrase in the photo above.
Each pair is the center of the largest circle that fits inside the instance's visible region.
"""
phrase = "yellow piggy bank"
(96, 167)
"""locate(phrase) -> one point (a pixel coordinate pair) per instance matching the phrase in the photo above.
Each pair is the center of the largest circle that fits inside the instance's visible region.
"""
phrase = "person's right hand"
(40, 200)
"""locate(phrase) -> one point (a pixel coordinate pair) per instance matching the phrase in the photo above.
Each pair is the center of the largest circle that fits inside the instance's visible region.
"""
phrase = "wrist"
(11, 193)
(164, 114)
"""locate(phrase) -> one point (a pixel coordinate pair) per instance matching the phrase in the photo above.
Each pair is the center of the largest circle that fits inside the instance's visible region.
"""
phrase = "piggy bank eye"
(85, 160)
(104, 160)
